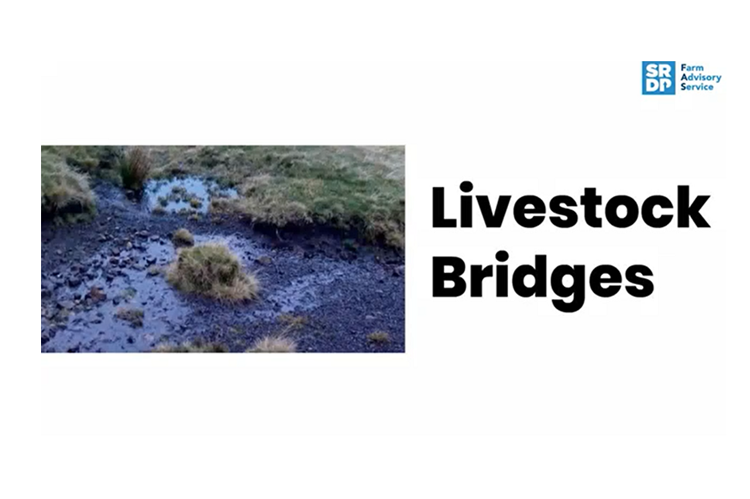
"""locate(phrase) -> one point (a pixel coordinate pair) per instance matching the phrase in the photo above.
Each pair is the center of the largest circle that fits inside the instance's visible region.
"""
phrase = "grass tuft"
(132, 315)
(65, 192)
(273, 344)
(212, 270)
(379, 337)
(183, 237)
(188, 347)
(135, 169)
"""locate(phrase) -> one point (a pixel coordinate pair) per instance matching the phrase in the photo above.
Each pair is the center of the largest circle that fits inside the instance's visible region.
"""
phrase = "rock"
(97, 294)
(116, 300)
(66, 304)
(144, 234)
(114, 260)
(369, 317)
(399, 271)
(59, 252)
(103, 238)
(150, 260)
(263, 260)
(129, 245)
(155, 237)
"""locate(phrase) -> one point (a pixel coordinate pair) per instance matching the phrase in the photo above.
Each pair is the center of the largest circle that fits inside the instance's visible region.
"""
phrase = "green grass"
(66, 194)
(347, 187)
(212, 270)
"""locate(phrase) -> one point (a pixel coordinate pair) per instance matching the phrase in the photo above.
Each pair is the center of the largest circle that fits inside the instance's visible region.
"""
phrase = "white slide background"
(494, 397)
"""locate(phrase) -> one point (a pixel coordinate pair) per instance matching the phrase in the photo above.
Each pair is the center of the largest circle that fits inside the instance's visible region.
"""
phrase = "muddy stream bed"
(342, 291)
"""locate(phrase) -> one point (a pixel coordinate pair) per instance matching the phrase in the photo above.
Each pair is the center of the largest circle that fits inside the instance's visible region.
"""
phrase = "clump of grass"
(132, 315)
(65, 191)
(292, 321)
(159, 210)
(191, 347)
(212, 270)
(182, 237)
(194, 217)
(135, 169)
(195, 203)
(273, 344)
(379, 337)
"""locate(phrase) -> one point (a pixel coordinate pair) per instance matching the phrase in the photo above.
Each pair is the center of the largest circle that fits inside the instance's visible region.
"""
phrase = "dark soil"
(91, 270)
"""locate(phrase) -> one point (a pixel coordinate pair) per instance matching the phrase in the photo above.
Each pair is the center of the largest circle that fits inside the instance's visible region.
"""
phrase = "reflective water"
(186, 194)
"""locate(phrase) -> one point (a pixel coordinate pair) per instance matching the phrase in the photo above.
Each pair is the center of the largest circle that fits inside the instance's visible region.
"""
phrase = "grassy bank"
(347, 187)
(66, 194)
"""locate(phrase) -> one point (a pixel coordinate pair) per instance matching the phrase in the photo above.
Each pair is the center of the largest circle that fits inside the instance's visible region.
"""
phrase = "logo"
(658, 78)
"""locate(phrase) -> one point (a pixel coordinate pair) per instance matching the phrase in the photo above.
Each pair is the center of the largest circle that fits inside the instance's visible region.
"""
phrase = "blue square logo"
(658, 78)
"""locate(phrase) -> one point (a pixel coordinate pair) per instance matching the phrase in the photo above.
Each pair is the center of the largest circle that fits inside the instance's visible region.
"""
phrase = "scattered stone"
(97, 294)
(129, 245)
(150, 260)
(263, 260)
(66, 304)
(74, 282)
(153, 271)
(369, 317)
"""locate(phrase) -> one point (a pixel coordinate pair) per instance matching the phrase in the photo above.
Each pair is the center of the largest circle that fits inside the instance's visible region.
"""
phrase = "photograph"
(193, 249)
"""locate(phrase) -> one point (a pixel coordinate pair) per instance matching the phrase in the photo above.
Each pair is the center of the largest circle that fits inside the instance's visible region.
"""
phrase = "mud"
(90, 271)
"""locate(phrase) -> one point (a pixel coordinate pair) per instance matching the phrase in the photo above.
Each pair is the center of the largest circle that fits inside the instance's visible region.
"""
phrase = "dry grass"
(132, 315)
(183, 237)
(273, 344)
(188, 347)
(379, 337)
(65, 192)
(135, 168)
(212, 270)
